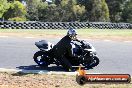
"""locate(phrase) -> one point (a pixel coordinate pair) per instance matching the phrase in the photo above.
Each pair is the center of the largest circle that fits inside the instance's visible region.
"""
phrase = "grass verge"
(122, 34)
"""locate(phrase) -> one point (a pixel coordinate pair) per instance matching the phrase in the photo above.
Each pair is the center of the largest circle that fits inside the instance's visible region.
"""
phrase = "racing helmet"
(72, 33)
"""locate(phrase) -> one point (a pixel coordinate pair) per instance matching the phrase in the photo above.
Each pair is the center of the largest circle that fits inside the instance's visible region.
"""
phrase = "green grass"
(81, 32)
(107, 32)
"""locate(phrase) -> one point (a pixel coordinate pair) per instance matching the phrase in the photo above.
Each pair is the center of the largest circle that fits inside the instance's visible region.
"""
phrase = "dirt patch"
(31, 35)
(113, 38)
(8, 80)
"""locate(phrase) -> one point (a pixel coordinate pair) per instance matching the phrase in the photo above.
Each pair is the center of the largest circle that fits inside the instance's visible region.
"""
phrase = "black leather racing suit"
(63, 48)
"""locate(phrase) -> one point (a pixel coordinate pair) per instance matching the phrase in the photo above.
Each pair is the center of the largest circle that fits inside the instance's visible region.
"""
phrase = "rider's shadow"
(36, 67)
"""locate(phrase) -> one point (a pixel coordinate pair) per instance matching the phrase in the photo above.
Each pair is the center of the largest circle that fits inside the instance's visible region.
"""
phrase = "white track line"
(63, 73)
(107, 40)
(127, 41)
(29, 37)
(36, 71)
(4, 36)
(9, 70)
(40, 72)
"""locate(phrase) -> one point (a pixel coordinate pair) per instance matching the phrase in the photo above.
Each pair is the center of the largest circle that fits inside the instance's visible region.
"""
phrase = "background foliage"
(67, 10)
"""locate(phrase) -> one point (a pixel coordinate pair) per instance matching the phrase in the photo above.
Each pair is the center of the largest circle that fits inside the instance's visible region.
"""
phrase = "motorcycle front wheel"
(41, 58)
(95, 61)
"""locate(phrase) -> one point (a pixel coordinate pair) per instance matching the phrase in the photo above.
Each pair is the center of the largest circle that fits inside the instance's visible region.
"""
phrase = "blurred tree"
(115, 8)
(32, 9)
(4, 6)
(71, 10)
(16, 9)
(10, 0)
(48, 13)
(97, 10)
(57, 2)
(127, 12)
(79, 12)
(42, 11)
(67, 10)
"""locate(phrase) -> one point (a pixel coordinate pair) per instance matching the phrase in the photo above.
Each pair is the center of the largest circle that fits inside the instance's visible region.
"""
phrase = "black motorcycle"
(85, 51)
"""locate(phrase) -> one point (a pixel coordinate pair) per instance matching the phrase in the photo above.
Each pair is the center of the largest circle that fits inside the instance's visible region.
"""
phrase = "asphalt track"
(17, 53)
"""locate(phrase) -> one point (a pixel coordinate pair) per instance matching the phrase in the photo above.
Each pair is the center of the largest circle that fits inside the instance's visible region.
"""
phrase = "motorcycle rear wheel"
(41, 58)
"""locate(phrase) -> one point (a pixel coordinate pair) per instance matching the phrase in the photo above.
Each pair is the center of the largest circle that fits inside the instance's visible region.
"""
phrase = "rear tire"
(41, 58)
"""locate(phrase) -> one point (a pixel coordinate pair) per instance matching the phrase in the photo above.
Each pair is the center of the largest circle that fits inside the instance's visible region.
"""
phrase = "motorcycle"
(87, 55)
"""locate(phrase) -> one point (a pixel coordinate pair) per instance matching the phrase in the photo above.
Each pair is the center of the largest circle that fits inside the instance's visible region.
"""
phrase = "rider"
(64, 47)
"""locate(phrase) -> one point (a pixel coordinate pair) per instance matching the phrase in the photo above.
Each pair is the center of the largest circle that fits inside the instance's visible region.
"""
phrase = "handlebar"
(80, 41)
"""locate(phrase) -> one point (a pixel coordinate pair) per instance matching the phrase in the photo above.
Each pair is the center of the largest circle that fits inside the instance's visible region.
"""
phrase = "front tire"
(41, 58)
(95, 61)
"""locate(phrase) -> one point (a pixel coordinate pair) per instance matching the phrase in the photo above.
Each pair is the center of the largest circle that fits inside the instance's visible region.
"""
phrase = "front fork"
(89, 57)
